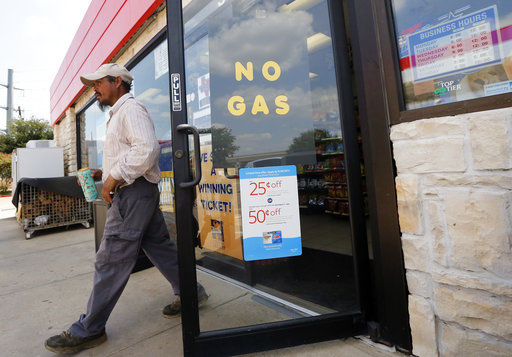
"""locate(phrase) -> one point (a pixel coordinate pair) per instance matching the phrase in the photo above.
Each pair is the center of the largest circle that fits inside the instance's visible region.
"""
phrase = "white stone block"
(416, 253)
(461, 342)
(432, 182)
(475, 309)
(419, 283)
(479, 232)
(428, 128)
(484, 281)
(490, 143)
(409, 212)
(436, 232)
(423, 327)
(432, 155)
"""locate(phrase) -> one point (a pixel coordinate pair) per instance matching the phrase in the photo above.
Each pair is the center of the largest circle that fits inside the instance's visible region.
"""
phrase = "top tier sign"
(461, 44)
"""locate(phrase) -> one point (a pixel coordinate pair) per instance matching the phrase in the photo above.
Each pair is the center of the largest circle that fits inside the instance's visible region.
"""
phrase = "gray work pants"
(134, 221)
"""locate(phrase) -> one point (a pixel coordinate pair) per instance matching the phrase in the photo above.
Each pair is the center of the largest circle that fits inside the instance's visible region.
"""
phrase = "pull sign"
(176, 92)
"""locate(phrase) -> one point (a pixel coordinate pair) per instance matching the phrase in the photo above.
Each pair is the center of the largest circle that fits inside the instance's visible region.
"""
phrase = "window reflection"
(453, 50)
(296, 36)
(94, 136)
(151, 87)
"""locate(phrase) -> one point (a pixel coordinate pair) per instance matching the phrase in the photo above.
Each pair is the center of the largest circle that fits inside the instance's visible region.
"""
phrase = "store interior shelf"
(312, 188)
(338, 198)
(337, 213)
(332, 153)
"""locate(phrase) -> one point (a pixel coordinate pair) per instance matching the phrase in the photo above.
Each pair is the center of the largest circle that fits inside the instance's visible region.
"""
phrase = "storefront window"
(151, 87)
(453, 50)
(261, 87)
(95, 121)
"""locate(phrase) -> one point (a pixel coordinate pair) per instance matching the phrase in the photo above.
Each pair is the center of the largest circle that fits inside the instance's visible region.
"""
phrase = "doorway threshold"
(275, 301)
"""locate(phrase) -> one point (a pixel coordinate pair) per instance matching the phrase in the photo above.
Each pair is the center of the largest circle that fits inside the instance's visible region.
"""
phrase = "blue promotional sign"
(464, 43)
(498, 88)
(270, 212)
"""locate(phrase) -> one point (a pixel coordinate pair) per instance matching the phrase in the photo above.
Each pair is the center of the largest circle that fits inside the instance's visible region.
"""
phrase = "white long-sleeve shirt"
(131, 149)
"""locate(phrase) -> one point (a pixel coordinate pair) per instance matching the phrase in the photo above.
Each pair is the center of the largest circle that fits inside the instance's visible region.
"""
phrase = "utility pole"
(10, 87)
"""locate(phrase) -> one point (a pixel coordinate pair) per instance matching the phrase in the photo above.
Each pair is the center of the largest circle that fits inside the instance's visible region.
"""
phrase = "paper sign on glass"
(464, 43)
(270, 212)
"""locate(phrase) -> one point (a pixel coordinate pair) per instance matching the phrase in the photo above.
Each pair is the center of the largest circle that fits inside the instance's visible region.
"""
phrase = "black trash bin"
(100, 208)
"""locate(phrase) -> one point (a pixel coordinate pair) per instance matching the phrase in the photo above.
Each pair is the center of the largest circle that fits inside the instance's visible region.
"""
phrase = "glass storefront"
(151, 87)
(95, 127)
(261, 87)
(453, 50)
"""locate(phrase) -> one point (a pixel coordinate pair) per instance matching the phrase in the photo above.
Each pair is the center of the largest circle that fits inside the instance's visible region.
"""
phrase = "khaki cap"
(107, 69)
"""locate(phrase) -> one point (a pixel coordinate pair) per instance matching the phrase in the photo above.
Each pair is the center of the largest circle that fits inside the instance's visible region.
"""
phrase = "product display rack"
(323, 186)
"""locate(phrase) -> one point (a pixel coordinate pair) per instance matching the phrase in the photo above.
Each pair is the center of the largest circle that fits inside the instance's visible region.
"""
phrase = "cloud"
(505, 20)
(153, 96)
(398, 5)
(259, 40)
(148, 93)
(253, 143)
(219, 126)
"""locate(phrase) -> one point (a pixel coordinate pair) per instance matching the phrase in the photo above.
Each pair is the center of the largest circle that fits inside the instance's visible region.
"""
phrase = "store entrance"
(267, 162)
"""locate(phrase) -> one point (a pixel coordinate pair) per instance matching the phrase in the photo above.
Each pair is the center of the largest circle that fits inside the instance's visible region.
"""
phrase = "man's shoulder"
(134, 104)
(132, 101)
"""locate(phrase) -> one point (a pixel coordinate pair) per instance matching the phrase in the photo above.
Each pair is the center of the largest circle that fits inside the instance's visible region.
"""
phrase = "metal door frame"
(283, 333)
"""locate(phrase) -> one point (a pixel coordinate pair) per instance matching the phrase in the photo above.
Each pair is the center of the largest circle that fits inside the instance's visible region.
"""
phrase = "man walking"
(134, 221)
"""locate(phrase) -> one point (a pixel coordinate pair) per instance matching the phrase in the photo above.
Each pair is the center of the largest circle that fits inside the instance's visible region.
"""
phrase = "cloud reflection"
(277, 33)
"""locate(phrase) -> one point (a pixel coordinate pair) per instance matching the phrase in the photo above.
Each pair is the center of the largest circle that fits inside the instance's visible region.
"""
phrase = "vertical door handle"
(228, 176)
(190, 129)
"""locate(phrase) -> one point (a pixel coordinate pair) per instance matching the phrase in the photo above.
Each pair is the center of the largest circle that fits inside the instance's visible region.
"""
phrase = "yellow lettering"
(259, 105)
(268, 76)
(247, 72)
(236, 105)
(282, 106)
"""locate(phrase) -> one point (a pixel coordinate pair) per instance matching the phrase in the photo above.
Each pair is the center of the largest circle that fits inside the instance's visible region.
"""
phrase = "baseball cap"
(107, 69)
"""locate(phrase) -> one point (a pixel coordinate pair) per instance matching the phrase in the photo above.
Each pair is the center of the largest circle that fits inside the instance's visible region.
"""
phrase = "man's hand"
(96, 174)
(109, 185)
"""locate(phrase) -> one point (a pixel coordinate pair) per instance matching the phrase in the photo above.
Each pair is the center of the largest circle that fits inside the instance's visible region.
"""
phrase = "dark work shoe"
(174, 308)
(67, 343)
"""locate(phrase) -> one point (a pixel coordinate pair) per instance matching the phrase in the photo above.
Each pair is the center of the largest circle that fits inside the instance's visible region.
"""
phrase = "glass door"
(267, 165)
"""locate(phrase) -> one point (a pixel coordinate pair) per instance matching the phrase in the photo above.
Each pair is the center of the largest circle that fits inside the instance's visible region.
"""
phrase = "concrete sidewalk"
(7, 209)
(45, 283)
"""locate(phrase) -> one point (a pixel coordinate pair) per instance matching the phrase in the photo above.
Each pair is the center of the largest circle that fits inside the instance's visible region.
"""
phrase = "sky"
(34, 38)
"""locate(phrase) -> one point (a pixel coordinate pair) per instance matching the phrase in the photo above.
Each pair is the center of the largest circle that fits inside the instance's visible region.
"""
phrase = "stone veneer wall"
(454, 201)
(65, 130)
(64, 134)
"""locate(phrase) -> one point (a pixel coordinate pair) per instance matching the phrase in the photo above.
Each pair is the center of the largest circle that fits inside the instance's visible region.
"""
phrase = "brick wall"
(454, 202)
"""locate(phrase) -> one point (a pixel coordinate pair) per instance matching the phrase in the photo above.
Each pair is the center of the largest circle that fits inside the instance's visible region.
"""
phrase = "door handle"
(228, 176)
(190, 129)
